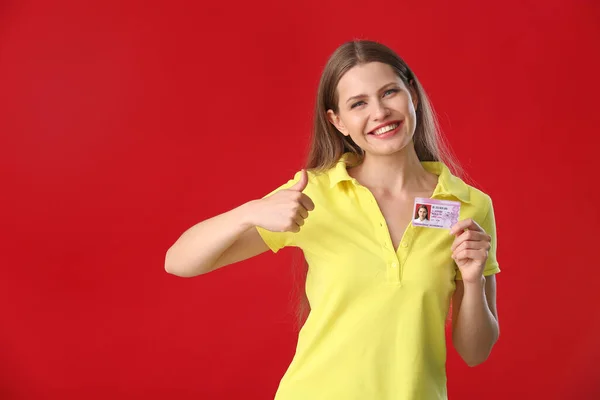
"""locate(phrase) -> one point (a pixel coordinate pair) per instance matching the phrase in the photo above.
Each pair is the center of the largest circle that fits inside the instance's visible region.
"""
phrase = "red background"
(124, 123)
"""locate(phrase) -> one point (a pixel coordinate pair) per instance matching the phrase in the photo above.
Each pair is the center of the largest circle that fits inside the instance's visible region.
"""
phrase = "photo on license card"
(432, 213)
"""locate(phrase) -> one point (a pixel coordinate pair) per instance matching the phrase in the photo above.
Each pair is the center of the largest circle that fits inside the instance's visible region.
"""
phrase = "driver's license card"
(435, 213)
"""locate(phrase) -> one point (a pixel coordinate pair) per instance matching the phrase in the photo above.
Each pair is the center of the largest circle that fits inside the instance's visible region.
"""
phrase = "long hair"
(328, 144)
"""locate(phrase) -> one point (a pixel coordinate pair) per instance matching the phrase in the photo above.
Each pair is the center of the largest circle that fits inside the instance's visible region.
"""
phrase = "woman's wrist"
(247, 214)
(477, 284)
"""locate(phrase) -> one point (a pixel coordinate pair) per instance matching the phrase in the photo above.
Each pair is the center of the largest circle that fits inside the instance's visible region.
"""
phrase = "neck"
(396, 174)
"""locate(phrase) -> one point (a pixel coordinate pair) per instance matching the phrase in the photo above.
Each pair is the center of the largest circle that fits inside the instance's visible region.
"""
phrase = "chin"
(389, 149)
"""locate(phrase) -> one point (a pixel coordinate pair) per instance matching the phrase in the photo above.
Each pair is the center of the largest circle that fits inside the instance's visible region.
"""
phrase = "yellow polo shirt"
(376, 330)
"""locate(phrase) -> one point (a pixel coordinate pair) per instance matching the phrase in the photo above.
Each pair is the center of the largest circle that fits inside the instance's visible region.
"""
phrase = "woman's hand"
(470, 249)
(284, 211)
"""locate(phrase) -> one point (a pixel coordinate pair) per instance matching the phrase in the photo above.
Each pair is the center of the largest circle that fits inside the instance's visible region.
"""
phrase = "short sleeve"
(489, 226)
(278, 240)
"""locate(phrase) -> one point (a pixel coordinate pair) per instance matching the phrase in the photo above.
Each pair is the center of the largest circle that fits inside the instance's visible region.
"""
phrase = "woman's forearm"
(476, 329)
(198, 248)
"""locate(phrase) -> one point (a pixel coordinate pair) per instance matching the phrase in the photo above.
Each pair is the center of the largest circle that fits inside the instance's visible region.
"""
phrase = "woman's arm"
(232, 237)
(215, 242)
(475, 327)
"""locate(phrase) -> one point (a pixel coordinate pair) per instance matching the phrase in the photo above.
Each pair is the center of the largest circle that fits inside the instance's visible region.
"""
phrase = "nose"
(380, 111)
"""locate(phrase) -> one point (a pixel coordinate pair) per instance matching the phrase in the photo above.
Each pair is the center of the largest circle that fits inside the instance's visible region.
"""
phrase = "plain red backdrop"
(124, 123)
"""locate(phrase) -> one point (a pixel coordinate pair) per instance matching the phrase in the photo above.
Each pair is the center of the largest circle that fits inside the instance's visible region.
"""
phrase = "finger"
(302, 212)
(307, 203)
(470, 254)
(299, 220)
(470, 236)
(472, 245)
(464, 224)
(301, 184)
(295, 227)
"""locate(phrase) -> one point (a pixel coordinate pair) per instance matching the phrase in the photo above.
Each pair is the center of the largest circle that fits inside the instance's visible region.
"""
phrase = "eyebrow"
(360, 96)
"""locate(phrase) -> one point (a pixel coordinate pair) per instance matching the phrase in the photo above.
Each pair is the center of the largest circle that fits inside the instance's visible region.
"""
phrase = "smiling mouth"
(385, 129)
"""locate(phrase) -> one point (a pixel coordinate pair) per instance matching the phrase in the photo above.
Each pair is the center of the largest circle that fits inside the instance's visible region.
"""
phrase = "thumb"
(301, 184)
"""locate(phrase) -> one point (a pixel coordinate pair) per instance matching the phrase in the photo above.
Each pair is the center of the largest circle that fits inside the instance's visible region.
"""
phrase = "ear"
(337, 122)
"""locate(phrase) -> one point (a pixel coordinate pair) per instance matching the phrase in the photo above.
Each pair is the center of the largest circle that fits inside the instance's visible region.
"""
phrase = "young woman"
(379, 288)
(422, 214)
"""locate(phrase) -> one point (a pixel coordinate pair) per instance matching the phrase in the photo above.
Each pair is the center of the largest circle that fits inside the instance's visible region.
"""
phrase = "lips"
(385, 125)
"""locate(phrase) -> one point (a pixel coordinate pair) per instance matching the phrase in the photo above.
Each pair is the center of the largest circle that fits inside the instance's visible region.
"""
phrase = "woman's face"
(375, 109)
(422, 213)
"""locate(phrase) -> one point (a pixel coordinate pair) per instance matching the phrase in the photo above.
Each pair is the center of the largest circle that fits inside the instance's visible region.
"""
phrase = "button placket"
(392, 262)
(404, 249)
(382, 232)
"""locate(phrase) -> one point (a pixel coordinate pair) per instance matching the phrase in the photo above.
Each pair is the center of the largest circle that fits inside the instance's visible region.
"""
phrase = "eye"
(358, 103)
(391, 91)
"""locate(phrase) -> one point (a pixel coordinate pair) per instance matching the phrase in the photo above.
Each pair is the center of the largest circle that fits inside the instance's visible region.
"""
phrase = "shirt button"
(404, 244)
(394, 265)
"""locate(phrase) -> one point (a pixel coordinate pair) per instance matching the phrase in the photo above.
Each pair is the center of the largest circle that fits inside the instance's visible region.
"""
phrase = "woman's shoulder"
(479, 202)
(477, 194)
(476, 200)
(463, 187)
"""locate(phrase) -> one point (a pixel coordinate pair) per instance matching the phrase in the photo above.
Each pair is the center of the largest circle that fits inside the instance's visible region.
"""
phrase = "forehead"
(366, 78)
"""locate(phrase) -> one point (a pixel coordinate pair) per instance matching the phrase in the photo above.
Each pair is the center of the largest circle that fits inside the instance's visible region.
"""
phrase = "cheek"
(405, 106)
(356, 124)
(412, 119)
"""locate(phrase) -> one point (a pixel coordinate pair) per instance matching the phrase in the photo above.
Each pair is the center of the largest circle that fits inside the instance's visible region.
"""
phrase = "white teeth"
(385, 129)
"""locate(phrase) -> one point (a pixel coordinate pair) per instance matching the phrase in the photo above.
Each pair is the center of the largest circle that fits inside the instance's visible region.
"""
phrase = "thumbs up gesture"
(286, 210)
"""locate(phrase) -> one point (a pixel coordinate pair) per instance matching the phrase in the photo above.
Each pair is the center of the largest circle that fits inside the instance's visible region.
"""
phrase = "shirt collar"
(339, 172)
(448, 184)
